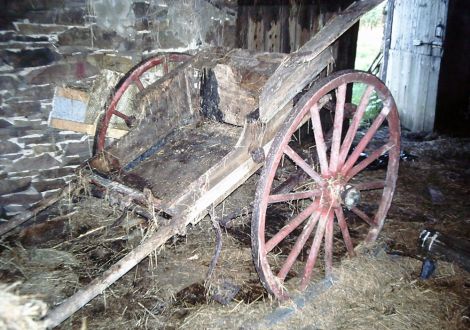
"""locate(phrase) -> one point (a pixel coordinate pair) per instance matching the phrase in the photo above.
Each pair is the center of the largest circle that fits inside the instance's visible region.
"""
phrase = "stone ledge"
(10, 186)
(20, 108)
(39, 149)
(8, 147)
(51, 184)
(44, 161)
(30, 123)
(5, 123)
(20, 198)
(57, 172)
(10, 157)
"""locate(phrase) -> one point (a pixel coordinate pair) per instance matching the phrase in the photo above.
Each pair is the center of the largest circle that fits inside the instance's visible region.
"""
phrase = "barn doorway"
(369, 51)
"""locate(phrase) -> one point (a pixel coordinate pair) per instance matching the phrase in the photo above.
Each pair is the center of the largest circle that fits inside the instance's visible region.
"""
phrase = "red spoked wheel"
(133, 77)
(321, 193)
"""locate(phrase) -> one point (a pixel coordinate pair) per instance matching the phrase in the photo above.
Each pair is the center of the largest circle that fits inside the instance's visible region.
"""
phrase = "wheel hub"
(336, 193)
(332, 192)
(350, 196)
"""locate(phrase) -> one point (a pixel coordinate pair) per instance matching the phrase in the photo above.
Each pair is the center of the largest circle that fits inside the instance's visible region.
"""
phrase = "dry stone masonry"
(47, 44)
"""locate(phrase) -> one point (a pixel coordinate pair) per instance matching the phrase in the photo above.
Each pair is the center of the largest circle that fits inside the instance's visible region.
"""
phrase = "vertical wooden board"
(272, 40)
(416, 20)
(416, 100)
(414, 60)
(293, 40)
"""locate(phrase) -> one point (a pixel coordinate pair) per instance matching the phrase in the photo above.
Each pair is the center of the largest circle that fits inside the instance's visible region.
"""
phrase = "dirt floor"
(379, 289)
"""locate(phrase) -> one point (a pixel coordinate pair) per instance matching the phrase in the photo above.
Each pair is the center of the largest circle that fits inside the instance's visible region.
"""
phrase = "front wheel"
(319, 196)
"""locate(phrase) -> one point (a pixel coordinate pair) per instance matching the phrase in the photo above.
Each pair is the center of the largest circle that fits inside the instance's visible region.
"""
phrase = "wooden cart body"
(190, 149)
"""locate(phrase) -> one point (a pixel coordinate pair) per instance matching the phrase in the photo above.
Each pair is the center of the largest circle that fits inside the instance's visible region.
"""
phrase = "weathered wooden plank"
(70, 125)
(387, 38)
(282, 26)
(231, 88)
(414, 60)
(188, 154)
(72, 93)
(69, 104)
(415, 25)
(413, 83)
(234, 102)
(301, 67)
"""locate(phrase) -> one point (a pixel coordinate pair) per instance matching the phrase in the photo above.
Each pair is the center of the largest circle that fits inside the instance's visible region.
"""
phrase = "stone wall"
(35, 159)
(44, 44)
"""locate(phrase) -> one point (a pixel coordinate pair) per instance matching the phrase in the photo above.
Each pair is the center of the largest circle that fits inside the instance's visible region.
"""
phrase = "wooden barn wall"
(284, 26)
(453, 99)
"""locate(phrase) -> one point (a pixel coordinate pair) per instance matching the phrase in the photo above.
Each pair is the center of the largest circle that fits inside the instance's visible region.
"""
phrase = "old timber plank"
(301, 67)
(90, 129)
(237, 81)
(191, 152)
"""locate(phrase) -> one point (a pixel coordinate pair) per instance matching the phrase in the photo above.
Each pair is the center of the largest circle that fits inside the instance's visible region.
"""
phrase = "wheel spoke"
(139, 83)
(289, 227)
(166, 68)
(337, 128)
(329, 245)
(366, 139)
(312, 256)
(294, 196)
(319, 140)
(291, 182)
(303, 164)
(366, 162)
(355, 124)
(345, 231)
(361, 214)
(299, 244)
(374, 185)
(120, 115)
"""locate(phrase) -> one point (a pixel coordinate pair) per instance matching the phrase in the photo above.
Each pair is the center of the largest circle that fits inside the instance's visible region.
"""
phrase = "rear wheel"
(138, 76)
(317, 197)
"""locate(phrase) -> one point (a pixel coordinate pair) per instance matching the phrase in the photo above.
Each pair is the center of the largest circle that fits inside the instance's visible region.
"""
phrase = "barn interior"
(161, 160)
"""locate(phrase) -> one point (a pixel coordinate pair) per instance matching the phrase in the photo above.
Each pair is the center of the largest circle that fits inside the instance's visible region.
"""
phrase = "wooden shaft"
(98, 285)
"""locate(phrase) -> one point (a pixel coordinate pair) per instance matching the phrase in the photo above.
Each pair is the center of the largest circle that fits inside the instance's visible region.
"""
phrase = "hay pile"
(382, 292)
(20, 312)
(369, 292)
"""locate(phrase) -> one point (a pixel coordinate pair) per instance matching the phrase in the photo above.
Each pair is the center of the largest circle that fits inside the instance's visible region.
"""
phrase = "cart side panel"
(162, 107)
